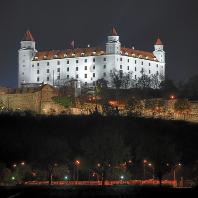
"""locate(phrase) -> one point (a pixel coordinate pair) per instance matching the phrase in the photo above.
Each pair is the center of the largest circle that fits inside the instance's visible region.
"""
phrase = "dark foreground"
(87, 191)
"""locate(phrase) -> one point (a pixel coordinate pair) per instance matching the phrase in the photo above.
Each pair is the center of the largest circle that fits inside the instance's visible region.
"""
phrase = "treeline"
(107, 147)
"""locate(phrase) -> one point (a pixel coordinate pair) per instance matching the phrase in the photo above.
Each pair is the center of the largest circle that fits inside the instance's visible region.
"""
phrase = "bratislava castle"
(86, 65)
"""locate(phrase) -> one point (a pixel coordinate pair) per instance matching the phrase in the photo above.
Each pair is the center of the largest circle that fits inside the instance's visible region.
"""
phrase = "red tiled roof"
(28, 36)
(81, 52)
(158, 42)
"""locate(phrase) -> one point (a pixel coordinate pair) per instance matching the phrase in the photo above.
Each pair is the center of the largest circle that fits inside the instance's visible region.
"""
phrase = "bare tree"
(144, 81)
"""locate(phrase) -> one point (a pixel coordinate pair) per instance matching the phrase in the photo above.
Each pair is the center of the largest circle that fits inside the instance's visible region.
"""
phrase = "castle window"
(47, 70)
(76, 61)
(135, 62)
(58, 69)
(68, 62)
(37, 79)
(135, 68)
(68, 69)
(120, 59)
(58, 77)
(157, 65)
(76, 68)
(85, 67)
(104, 59)
(128, 60)
(149, 71)
(33, 65)
(94, 66)
(104, 74)
(58, 62)
(149, 64)
(37, 64)
(157, 73)
(47, 63)
(93, 74)
(127, 67)
(85, 60)
(85, 75)
(48, 78)
(94, 83)
(120, 66)
(76, 75)
(67, 76)
(37, 71)
(104, 66)
(135, 77)
(85, 83)
(94, 60)
(142, 62)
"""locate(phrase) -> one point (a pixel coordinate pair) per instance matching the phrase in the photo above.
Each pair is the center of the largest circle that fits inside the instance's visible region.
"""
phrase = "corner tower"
(113, 44)
(25, 56)
(159, 51)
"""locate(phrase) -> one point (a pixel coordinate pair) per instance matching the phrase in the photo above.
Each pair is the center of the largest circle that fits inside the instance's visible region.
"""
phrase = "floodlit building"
(86, 65)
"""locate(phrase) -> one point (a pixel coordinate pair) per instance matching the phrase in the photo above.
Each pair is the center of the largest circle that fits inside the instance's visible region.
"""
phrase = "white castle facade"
(86, 65)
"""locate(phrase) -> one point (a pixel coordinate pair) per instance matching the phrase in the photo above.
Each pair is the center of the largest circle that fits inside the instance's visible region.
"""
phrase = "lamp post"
(152, 169)
(77, 163)
(144, 163)
(174, 173)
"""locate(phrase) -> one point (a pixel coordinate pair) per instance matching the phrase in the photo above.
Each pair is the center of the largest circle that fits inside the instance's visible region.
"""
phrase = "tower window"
(94, 66)
(58, 69)
(76, 68)
(157, 73)
(127, 67)
(104, 74)
(85, 83)
(37, 71)
(85, 67)
(104, 66)
(93, 74)
(85, 75)
(76, 75)
(67, 76)
(68, 69)
(48, 78)
(135, 77)
(120, 66)
(135, 68)
(47, 70)
(37, 79)
(149, 71)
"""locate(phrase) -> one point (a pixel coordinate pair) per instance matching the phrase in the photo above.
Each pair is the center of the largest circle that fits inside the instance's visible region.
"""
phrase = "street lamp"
(174, 172)
(152, 169)
(145, 161)
(77, 163)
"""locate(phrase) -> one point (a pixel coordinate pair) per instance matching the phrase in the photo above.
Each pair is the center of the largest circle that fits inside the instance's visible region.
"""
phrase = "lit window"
(47, 70)
(58, 69)
(85, 67)
(104, 66)
(85, 75)
(68, 69)
(93, 74)
(37, 71)
(76, 68)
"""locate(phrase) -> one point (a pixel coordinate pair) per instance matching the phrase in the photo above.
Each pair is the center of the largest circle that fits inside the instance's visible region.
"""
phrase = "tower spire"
(114, 32)
(158, 42)
(28, 36)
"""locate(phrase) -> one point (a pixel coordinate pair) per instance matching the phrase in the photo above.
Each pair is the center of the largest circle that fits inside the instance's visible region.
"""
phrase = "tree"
(182, 106)
(106, 149)
(155, 81)
(144, 81)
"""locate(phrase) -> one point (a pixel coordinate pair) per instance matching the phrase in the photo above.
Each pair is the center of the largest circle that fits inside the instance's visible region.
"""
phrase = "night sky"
(54, 24)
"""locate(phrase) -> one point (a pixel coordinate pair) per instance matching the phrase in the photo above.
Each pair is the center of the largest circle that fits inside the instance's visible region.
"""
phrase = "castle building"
(86, 65)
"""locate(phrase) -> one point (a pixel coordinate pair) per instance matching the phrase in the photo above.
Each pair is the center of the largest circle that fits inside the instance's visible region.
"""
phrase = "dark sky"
(54, 24)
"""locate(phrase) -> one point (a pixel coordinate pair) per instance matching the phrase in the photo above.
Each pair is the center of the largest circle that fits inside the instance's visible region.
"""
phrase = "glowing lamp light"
(150, 164)
(77, 162)
(145, 161)
(14, 165)
(121, 177)
(22, 163)
(13, 178)
(172, 97)
(66, 177)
